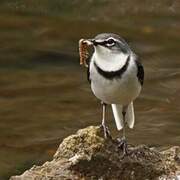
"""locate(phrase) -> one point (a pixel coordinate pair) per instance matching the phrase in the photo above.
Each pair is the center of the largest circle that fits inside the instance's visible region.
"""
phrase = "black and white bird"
(116, 77)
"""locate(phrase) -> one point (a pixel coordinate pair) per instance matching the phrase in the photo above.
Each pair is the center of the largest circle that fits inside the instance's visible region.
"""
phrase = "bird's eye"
(110, 42)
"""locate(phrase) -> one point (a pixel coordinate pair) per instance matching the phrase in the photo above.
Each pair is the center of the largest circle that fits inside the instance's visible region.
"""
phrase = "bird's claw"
(122, 144)
(106, 131)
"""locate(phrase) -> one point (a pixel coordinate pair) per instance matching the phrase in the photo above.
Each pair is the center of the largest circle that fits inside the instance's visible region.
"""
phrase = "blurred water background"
(44, 94)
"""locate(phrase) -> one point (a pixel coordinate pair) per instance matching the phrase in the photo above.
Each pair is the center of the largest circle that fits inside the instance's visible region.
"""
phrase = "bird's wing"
(140, 72)
(88, 75)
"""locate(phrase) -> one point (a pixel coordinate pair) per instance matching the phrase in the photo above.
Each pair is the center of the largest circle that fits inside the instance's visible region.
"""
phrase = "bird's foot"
(106, 131)
(122, 144)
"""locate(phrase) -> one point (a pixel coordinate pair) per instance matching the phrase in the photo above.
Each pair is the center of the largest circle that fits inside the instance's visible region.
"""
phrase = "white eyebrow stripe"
(111, 38)
(100, 40)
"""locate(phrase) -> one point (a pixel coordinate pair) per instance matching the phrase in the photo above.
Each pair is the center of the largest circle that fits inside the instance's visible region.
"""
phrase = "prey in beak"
(84, 44)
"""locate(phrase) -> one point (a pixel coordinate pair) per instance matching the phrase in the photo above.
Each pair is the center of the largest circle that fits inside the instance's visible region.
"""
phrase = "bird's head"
(108, 44)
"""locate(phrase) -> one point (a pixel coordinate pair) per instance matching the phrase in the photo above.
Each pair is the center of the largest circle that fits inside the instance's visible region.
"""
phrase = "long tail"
(118, 116)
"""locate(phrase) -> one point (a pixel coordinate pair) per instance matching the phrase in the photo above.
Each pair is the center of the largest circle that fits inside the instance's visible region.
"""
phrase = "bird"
(116, 77)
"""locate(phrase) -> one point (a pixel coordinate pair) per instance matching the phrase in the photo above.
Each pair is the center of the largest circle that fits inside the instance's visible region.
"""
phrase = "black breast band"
(112, 74)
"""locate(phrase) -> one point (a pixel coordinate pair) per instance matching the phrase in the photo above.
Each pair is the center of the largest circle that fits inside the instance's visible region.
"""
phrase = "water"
(44, 94)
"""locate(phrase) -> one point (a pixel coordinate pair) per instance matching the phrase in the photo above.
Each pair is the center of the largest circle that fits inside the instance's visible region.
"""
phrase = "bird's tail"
(118, 115)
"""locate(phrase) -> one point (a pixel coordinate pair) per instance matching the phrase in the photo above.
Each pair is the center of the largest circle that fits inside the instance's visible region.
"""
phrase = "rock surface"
(87, 155)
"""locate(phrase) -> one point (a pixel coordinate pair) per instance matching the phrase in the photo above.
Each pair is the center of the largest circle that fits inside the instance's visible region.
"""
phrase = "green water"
(44, 94)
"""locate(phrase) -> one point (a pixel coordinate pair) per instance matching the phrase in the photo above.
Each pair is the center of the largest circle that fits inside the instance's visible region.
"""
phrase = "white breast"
(118, 90)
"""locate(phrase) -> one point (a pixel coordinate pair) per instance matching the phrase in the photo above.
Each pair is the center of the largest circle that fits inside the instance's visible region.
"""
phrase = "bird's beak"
(96, 42)
(89, 41)
(93, 42)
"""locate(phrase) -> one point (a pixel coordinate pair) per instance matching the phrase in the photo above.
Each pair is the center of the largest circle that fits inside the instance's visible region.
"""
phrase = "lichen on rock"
(87, 155)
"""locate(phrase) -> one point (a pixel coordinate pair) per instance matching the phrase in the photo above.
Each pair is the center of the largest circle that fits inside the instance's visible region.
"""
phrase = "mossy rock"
(87, 155)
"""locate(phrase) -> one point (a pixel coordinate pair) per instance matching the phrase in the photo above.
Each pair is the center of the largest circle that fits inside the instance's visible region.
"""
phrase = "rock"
(87, 155)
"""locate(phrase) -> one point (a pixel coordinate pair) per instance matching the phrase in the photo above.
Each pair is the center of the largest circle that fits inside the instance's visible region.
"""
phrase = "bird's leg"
(122, 141)
(103, 124)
